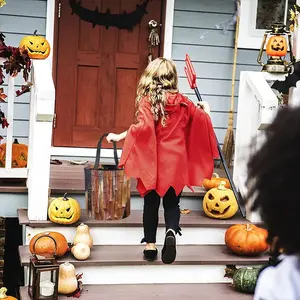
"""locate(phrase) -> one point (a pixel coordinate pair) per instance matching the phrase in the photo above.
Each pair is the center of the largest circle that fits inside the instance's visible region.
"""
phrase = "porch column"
(294, 99)
(40, 139)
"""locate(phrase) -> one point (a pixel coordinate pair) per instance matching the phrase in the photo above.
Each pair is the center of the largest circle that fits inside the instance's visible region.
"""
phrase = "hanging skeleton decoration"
(153, 38)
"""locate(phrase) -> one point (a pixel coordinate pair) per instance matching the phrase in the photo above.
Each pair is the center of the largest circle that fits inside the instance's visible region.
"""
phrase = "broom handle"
(234, 63)
(236, 194)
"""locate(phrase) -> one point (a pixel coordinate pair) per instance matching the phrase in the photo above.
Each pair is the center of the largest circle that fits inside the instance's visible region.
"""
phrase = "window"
(257, 16)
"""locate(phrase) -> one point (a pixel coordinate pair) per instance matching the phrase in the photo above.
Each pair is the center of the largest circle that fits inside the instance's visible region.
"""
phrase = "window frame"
(249, 36)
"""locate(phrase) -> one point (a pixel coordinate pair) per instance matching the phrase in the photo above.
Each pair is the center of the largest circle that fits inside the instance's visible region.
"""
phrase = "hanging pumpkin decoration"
(45, 246)
(214, 182)
(276, 46)
(3, 295)
(220, 203)
(246, 239)
(19, 155)
(37, 46)
(244, 279)
(64, 210)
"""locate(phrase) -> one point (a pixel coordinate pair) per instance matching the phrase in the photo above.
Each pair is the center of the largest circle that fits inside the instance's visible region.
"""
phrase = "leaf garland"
(16, 60)
(294, 17)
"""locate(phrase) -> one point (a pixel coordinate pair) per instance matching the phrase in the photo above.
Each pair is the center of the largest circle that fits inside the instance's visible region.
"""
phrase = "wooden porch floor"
(69, 178)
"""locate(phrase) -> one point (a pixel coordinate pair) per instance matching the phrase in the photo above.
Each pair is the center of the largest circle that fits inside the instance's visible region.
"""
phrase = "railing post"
(294, 97)
(40, 137)
(257, 106)
(10, 118)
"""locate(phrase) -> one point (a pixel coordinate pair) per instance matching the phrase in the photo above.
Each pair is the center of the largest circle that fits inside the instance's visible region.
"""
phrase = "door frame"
(51, 35)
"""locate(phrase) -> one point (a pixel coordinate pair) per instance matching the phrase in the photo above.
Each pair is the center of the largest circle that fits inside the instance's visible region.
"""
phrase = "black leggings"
(150, 214)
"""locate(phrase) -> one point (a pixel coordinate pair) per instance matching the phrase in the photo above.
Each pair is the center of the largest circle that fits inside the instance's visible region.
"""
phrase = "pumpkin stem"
(65, 197)
(248, 227)
(3, 292)
(222, 186)
(215, 175)
(230, 270)
(35, 32)
(16, 141)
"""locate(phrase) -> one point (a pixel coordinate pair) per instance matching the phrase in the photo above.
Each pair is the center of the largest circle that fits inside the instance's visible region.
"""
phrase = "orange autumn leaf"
(2, 95)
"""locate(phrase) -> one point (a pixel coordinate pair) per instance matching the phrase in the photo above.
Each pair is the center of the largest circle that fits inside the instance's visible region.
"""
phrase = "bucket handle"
(98, 154)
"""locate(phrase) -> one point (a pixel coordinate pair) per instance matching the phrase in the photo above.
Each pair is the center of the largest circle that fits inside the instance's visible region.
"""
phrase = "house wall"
(19, 18)
(212, 56)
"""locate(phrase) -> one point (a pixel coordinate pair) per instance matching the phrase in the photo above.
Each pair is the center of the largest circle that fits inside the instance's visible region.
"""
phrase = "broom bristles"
(228, 146)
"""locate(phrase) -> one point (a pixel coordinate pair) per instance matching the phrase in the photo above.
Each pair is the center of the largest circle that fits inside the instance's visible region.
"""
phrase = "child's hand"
(112, 137)
(204, 105)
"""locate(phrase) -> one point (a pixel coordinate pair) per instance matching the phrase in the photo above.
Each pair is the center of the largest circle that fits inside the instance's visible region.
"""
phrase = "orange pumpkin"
(276, 46)
(19, 155)
(246, 239)
(214, 182)
(45, 245)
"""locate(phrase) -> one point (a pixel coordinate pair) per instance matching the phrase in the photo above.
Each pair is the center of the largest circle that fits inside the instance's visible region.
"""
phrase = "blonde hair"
(159, 77)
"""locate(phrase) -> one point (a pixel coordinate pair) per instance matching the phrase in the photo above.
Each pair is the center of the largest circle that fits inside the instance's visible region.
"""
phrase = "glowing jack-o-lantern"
(37, 46)
(276, 46)
(220, 203)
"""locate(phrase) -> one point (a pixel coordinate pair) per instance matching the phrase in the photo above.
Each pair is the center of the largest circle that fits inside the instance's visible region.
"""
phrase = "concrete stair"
(117, 270)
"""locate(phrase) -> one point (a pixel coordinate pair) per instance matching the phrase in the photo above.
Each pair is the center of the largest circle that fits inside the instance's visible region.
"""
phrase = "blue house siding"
(212, 55)
(19, 18)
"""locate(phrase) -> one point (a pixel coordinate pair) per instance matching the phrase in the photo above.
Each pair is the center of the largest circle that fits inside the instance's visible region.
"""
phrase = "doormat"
(122, 21)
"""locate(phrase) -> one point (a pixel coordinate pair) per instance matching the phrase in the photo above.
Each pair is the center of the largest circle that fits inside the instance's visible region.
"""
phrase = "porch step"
(210, 291)
(197, 229)
(125, 265)
(194, 219)
(132, 255)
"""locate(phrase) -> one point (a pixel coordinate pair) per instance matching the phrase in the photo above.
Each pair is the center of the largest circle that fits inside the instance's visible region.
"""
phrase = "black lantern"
(43, 276)
(276, 49)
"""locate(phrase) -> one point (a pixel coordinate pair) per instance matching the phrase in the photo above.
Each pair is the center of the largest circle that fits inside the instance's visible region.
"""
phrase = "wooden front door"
(97, 70)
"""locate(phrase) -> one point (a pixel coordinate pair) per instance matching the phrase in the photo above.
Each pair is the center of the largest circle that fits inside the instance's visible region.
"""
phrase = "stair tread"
(132, 255)
(212, 291)
(194, 219)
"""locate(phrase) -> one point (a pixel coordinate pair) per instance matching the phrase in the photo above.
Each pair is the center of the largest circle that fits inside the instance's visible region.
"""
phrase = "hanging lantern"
(43, 276)
(276, 50)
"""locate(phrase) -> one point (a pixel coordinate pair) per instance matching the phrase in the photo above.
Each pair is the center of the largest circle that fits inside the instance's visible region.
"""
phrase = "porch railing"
(39, 140)
(257, 107)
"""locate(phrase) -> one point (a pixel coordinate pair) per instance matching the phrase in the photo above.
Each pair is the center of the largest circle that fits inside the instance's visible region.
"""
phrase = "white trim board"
(167, 46)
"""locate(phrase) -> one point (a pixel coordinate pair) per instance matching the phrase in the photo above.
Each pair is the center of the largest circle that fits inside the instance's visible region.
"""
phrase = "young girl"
(171, 146)
(274, 174)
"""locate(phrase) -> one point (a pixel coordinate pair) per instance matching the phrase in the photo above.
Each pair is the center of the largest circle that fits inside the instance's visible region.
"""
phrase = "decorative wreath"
(122, 21)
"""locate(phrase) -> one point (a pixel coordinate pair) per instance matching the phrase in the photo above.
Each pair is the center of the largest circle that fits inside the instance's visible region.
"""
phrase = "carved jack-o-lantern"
(37, 46)
(220, 203)
(64, 210)
(276, 46)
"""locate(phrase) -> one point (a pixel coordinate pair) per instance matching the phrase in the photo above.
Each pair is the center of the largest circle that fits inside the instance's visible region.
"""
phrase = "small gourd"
(3, 295)
(67, 281)
(81, 251)
(83, 235)
(244, 279)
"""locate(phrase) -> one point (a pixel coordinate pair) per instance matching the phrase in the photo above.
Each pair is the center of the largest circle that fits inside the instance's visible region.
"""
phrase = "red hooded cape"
(177, 155)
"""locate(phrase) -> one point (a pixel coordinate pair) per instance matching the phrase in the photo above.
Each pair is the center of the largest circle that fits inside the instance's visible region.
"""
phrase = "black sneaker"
(150, 255)
(169, 249)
